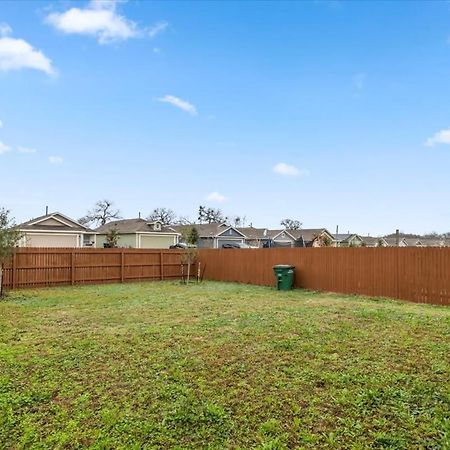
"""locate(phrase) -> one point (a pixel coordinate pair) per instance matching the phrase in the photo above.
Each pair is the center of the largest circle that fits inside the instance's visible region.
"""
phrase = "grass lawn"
(216, 365)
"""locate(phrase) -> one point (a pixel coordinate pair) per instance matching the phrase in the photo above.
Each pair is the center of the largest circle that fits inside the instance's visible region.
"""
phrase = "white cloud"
(441, 137)
(216, 197)
(157, 29)
(26, 149)
(1, 124)
(5, 29)
(359, 81)
(16, 54)
(179, 103)
(101, 20)
(55, 159)
(288, 170)
(4, 148)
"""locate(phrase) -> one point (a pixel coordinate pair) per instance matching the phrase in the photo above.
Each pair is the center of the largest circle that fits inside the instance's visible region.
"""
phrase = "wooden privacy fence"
(416, 274)
(35, 267)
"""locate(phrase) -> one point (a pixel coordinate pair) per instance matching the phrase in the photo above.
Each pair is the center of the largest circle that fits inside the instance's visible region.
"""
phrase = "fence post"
(14, 270)
(122, 265)
(161, 264)
(72, 268)
(397, 250)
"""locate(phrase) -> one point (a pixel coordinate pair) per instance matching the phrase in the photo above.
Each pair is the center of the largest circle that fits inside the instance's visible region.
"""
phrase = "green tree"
(112, 238)
(193, 236)
(9, 240)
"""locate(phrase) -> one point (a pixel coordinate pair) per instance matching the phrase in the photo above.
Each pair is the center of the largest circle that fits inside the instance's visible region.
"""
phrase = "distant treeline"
(432, 235)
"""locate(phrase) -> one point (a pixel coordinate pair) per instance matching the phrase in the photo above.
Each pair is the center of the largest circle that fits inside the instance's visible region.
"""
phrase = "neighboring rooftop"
(371, 240)
(53, 222)
(204, 230)
(342, 237)
(392, 241)
(134, 226)
(255, 233)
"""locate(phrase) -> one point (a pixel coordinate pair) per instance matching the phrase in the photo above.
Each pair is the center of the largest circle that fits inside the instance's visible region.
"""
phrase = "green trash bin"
(284, 274)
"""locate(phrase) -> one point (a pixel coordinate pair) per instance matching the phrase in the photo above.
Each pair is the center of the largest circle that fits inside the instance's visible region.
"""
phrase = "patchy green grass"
(162, 365)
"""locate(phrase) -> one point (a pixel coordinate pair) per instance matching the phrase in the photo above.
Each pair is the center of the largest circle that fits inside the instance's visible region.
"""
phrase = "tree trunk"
(1, 280)
(188, 270)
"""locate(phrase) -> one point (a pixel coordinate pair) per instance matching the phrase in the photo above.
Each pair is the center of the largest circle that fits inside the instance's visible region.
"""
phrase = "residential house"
(215, 235)
(348, 240)
(370, 241)
(414, 242)
(256, 237)
(308, 237)
(55, 230)
(392, 242)
(433, 242)
(138, 233)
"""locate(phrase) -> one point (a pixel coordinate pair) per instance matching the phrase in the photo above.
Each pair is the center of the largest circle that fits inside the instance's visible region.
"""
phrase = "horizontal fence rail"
(38, 267)
(419, 275)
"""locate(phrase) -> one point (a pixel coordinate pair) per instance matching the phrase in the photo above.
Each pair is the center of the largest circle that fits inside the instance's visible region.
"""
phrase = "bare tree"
(202, 214)
(9, 239)
(166, 216)
(210, 215)
(433, 235)
(239, 221)
(183, 220)
(103, 212)
(188, 257)
(291, 224)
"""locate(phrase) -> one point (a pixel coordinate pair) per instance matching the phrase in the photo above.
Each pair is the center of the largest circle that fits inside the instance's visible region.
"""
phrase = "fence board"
(416, 274)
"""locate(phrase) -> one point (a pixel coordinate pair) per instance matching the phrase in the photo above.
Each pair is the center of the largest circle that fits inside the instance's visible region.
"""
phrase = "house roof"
(255, 233)
(274, 233)
(412, 242)
(392, 241)
(209, 230)
(342, 237)
(432, 242)
(308, 234)
(67, 224)
(125, 226)
(371, 240)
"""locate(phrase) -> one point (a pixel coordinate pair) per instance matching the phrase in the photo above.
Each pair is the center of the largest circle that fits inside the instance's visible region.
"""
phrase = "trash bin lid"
(283, 266)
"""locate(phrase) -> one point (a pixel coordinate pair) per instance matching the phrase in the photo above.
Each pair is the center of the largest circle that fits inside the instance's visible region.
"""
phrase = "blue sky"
(327, 112)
